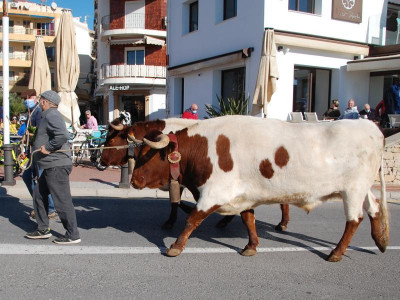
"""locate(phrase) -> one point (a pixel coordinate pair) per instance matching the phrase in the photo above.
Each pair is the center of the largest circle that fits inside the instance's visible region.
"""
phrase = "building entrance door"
(135, 105)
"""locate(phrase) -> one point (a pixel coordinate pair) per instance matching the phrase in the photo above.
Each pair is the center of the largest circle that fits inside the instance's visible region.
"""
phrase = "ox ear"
(161, 141)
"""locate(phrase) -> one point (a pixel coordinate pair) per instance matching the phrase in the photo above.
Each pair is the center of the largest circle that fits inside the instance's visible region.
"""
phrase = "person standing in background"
(191, 113)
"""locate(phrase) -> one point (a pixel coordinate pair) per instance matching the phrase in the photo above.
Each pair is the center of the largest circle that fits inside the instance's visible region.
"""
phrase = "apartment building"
(326, 50)
(26, 21)
(130, 51)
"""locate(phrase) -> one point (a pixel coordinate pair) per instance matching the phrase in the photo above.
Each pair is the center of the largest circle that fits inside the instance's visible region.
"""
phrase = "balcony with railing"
(133, 21)
(132, 71)
(30, 31)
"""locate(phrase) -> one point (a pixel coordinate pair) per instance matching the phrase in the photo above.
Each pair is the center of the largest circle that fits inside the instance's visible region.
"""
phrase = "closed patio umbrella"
(67, 70)
(267, 74)
(40, 77)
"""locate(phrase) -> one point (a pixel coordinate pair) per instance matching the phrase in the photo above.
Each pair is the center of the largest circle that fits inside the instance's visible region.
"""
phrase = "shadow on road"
(16, 212)
(146, 216)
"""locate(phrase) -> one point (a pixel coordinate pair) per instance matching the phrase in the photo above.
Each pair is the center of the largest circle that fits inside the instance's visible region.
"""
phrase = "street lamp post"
(8, 161)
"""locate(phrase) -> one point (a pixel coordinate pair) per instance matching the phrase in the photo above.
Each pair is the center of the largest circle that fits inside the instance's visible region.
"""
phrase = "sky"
(80, 8)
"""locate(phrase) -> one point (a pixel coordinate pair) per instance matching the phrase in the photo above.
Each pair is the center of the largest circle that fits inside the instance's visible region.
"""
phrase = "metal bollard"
(8, 166)
(124, 183)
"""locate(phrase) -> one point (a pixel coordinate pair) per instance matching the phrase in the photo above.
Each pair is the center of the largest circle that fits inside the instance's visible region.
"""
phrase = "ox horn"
(131, 138)
(118, 127)
(162, 142)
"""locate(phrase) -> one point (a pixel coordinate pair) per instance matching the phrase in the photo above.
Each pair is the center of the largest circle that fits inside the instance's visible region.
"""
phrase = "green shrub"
(17, 105)
(228, 106)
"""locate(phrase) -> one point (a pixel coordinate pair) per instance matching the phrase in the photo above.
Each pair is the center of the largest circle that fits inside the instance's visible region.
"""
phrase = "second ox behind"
(233, 164)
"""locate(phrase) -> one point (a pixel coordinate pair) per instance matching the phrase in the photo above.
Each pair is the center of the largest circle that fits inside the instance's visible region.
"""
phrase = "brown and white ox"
(120, 135)
(233, 164)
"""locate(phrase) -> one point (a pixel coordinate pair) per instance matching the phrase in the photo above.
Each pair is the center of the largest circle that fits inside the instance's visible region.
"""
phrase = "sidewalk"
(87, 181)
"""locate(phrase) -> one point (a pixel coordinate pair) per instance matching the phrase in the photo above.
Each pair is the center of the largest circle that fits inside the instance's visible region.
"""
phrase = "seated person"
(14, 126)
(351, 112)
(368, 113)
(333, 112)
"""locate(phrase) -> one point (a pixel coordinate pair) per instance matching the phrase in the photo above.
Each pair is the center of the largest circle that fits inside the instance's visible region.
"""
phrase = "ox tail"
(383, 211)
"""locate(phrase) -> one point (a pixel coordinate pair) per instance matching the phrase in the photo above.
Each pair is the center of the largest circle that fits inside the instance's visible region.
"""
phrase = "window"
(135, 57)
(230, 9)
(194, 16)
(233, 83)
(307, 6)
(27, 24)
(51, 53)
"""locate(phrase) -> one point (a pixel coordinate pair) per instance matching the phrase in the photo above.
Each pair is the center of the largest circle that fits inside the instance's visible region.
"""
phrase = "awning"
(127, 42)
(145, 40)
(374, 64)
(154, 41)
(31, 15)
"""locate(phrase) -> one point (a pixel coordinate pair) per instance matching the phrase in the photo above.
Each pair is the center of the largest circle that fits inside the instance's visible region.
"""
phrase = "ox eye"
(112, 141)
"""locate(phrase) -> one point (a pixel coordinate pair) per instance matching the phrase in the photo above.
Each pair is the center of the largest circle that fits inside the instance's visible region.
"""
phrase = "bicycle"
(89, 147)
(20, 159)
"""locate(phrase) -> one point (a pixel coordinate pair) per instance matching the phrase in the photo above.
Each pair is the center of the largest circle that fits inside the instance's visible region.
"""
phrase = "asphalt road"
(122, 256)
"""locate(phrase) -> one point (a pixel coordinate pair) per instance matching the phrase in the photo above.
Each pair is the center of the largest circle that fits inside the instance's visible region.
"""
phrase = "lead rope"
(67, 150)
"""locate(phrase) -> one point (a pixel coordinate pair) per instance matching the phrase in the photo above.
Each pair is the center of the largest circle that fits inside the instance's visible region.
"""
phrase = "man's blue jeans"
(28, 177)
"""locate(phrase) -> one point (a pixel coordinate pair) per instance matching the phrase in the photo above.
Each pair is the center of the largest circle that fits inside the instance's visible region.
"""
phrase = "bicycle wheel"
(81, 153)
(96, 154)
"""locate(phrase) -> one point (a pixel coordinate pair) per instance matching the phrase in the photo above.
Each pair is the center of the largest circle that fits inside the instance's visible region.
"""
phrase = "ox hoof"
(167, 225)
(381, 244)
(334, 258)
(172, 252)
(248, 252)
(280, 227)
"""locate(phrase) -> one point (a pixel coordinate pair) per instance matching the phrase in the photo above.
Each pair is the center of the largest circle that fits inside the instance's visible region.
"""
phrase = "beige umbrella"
(267, 74)
(67, 70)
(40, 77)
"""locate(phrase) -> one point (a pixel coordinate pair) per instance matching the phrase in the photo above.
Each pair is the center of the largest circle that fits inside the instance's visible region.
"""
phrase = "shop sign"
(119, 87)
(347, 10)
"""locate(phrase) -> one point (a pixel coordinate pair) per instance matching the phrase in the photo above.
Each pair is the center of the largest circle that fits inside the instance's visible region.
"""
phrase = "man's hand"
(43, 150)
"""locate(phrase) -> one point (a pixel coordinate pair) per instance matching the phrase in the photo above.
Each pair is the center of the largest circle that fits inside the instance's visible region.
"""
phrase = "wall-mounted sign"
(119, 87)
(347, 10)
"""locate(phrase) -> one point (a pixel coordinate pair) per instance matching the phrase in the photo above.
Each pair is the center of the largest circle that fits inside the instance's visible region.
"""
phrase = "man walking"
(52, 135)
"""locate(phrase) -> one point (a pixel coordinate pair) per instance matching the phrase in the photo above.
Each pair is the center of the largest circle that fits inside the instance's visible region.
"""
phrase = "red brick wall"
(154, 55)
(155, 11)
(117, 54)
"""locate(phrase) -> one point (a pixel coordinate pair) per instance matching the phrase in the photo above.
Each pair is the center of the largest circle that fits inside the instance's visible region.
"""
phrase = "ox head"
(117, 136)
(152, 166)
(120, 135)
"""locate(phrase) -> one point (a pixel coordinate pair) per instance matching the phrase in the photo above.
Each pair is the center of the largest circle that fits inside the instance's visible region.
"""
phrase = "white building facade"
(326, 50)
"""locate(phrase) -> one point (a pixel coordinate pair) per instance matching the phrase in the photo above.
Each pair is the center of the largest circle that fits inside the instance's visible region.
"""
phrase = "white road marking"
(13, 249)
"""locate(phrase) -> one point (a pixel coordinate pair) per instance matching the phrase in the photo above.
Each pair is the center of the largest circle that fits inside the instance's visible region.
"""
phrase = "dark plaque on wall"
(347, 10)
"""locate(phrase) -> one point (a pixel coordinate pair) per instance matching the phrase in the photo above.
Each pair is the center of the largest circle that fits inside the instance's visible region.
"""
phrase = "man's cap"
(52, 96)
(28, 93)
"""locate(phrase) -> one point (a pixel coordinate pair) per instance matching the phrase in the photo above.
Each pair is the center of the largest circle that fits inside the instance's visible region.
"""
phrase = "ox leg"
(351, 227)
(192, 222)
(225, 221)
(172, 216)
(250, 221)
(282, 226)
(175, 193)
